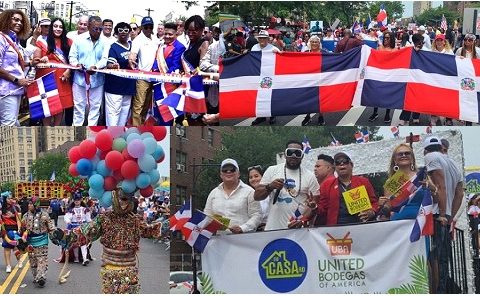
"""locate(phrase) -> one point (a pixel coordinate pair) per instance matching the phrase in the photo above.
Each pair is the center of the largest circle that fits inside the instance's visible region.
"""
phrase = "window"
(181, 193)
(30, 155)
(181, 161)
(210, 137)
(181, 131)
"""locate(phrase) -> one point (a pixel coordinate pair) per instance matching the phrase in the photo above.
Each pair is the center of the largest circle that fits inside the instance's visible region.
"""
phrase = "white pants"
(9, 108)
(80, 104)
(117, 108)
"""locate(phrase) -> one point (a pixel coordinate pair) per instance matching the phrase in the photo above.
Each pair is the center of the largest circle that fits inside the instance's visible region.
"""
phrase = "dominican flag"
(366, 135)
(298, 215)
(423, 82)
(306, 145)
(189, 97)
(160, 92)
(334, 141)
(395, 132)
(407, 191)
(199, 229)
(43, 98)
(264, 84)
(359, 137)
(382, 16)
(181, 216)
(356, 27)
(424, 222)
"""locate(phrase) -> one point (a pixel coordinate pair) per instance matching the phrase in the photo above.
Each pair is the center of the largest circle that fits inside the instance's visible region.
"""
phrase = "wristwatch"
(15, 80)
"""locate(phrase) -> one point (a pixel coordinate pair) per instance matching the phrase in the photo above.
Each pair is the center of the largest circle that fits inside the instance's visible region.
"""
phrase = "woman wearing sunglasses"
(119, 91)
(57, 50)
(233, 199)
(468, 49)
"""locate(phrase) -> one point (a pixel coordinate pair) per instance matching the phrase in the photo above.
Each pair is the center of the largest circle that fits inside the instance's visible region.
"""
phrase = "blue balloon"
(147, 135)
(159, 153)
(84, 167)
(154, 177)
(129, 186)
(96, 194)
(150, 145)
(106, 199)
(132, 130)
(143, 180)
(95, 161)
(147, 163)
(96, 182)
(102, 169)
(132, 137)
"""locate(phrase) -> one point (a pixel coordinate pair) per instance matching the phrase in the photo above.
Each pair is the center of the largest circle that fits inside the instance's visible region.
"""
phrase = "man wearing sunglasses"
(142, 57)
(331, 205)
(88, 53)
(233, 199)
(290, 187)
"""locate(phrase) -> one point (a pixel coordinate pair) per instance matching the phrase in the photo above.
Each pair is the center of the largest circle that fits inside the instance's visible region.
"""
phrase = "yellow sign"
(395, 182)
(357, 200)
(223, 220)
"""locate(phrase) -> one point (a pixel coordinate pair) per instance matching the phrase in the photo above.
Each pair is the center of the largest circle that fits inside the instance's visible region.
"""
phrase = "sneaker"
(387, 119)
(8, 269)
(306, 120)
(373, 117)
(258, 120)
(321, 121)
(272, 120)
(85, 263)
(41, 282)
(20, 264)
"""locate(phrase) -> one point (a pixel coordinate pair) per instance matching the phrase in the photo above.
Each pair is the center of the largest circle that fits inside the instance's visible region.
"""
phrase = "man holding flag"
(449, 182)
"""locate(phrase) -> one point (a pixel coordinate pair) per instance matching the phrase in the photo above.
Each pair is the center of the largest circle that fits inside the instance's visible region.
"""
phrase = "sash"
(58, 53)
(21, 60)
(160, 58)
(187, 67)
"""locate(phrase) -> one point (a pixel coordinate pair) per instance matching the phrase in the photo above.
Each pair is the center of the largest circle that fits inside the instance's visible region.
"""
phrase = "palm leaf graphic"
(419, 274)
(207, 284)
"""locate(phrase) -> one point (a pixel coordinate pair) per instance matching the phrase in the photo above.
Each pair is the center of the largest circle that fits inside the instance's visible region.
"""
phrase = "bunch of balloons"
(119, 157)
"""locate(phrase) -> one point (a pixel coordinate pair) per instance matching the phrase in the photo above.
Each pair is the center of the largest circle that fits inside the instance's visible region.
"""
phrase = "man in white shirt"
(142, 56)
(181, 36)
(290, 187)
(160, 32)
(233, 199)
(427, 45)
(82, 27)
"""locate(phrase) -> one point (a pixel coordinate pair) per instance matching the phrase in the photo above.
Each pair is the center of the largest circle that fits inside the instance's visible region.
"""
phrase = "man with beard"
(290, 187)
(331, 205)
(36, 226)
(119, 231)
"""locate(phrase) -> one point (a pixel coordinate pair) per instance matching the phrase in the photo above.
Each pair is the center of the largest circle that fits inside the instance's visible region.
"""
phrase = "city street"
(153, 263)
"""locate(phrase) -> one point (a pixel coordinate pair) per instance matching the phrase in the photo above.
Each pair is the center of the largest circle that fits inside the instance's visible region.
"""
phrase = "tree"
(433, 16)
(259, 146)
(43, 167)
(7, 186)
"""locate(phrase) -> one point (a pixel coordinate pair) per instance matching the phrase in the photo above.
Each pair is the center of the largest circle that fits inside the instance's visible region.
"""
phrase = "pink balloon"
(116, 131)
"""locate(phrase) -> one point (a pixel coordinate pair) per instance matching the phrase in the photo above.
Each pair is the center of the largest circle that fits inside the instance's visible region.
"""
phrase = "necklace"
(291, 191)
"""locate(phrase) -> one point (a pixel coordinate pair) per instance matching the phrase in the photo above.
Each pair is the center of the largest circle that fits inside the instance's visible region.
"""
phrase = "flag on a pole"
(52, 177)
(43, 98)
(424, 222)
(199, 229)
(406, 191)
(334, 141)
(443, 24)
(366, 135)
(306, 145)
(395, 132)
(382, 16)
(356, 27)
(30, 178)
(359, 137)
(189, 97)
(181, 216)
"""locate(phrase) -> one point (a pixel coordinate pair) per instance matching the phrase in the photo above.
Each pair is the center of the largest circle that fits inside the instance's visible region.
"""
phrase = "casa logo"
(266, 82)
(282, 265)
(473, 183)
(339, 246)
(467, 84)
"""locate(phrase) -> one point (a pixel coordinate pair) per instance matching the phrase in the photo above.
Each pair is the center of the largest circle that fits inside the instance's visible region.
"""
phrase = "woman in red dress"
(56, 50)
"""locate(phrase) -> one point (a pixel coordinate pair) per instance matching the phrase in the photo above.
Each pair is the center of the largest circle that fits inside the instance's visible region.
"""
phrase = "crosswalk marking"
(352, 116)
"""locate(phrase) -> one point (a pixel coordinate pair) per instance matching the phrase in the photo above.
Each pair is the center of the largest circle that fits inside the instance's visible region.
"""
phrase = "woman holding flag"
(14, 25)
(57, 50)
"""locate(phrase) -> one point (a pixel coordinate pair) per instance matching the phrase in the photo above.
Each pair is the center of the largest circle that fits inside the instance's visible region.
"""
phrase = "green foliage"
(43, 167)
(433, 16)
(7, 186)
(419, 273)
(212, 15)
(259, 146)
(207, 284)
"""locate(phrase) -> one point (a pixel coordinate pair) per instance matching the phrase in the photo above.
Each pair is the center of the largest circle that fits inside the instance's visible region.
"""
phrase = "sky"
(408, 12)
(471, 141)
(123, 10)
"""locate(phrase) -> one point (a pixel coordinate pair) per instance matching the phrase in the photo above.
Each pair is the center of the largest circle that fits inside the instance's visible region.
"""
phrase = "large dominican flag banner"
(267, 84)
(262, 84)
(43, 98)
(369, 258)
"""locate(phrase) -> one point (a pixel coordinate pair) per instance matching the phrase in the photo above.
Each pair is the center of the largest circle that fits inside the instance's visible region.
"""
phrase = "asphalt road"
(354, 116)
(154, 266)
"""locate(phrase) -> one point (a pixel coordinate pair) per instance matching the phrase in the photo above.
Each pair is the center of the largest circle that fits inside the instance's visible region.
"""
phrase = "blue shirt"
(88, 53)
(114, 84)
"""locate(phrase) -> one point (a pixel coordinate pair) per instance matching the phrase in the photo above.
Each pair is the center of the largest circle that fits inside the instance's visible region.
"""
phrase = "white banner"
(367, 258)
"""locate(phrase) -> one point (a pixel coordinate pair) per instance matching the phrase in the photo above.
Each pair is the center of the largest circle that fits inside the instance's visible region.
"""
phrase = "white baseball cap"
(263, 34)
(421, 28)
(430, 141)
(229, 161)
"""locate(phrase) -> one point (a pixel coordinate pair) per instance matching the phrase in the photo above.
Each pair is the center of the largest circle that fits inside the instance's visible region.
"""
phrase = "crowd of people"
(92, 98)
(27, 225)
(291, 195)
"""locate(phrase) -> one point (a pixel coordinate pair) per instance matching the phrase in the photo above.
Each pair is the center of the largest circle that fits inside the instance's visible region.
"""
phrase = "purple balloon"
(136, 148)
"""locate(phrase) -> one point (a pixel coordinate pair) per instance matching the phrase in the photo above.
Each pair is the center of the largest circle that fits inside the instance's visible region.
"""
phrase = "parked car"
(181, 282)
